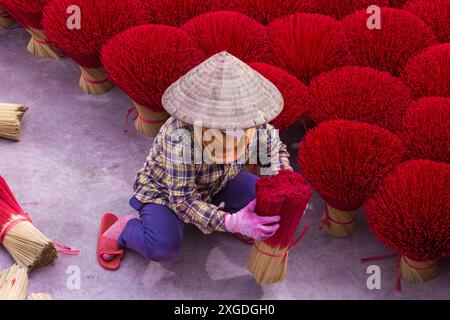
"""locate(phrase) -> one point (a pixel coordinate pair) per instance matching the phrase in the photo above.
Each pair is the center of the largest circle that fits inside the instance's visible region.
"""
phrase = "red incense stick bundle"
(402, 34)
(359, 93)
(344, 161)
(100, 21)
(295, 94)
(6, 21)
(144, 61)
(265, 11)
(341, 8)
(427, 73)
(436, 15)
(308, 44)
(228, 31)
(29, 14)
(426, 129)
(286, 195)
(410, 214)
(177, 12)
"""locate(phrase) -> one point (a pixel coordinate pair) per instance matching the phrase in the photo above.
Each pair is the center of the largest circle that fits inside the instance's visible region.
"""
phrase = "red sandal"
(107, 245)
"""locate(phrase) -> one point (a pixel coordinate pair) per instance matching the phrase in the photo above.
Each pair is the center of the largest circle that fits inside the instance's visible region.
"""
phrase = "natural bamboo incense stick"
(285, 195)
(14, 283)
(410, 214)
(39, 296)
(11, 120)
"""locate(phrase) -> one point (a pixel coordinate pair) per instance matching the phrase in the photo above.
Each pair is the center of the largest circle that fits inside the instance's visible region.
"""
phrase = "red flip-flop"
(107, 245)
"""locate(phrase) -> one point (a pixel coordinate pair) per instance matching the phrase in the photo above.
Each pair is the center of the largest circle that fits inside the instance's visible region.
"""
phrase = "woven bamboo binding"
(39, 296)
(14, 283)
(6, 21)
(94, 81)
(11, 120)
(39, 46)
(337, 223)
(148, 122)
(418, 272)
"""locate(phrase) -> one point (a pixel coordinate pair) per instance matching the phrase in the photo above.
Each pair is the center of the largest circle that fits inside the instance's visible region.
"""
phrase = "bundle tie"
(138, 115)
(286, 253)
(94, 81)
(326, 221)
(66, 250)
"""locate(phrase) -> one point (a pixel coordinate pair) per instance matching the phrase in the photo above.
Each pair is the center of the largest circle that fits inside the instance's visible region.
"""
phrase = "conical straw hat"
(223, 93)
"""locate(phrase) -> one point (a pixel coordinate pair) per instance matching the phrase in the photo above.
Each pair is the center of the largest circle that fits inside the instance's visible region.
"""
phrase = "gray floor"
(74, 163)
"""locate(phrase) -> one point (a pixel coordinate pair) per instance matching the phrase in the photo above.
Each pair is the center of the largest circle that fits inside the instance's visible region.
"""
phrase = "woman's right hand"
(248, 223)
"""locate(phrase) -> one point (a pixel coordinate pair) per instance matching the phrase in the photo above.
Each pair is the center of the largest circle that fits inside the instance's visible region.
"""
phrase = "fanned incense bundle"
(29, 14)
(27, 245)
(341, 8)
(101, 20)
(39, 296)
(426, 129)
(436, 15)
(265, 11)
(165, 54)
(344, 161)
(427, 73)
(295, 94)
(233, 32)
(177, 12)
(410, 214)
(359, 93)
(402, 34)
(286, 195)
(11, 120)
(14, 283)
(308, 44)
(6, 21)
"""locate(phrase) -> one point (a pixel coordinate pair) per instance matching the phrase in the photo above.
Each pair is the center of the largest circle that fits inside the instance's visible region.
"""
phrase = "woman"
(193, 173)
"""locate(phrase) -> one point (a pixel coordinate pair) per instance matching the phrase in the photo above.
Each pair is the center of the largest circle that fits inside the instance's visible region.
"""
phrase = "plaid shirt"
(187, 187)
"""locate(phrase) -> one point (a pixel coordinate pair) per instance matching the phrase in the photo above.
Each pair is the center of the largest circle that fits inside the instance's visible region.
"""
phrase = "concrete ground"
(74, 163)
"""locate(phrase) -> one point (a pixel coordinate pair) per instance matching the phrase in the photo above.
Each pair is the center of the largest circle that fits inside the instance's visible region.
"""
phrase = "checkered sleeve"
(184, 199)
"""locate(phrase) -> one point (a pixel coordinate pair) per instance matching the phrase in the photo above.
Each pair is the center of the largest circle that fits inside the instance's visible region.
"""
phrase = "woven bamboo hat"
(223, 93)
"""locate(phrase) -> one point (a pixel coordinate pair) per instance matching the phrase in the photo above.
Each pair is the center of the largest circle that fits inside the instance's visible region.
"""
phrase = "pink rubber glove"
(248, 223)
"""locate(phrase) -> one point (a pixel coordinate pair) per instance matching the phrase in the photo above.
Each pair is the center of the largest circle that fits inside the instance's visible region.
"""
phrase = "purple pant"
(159, 233)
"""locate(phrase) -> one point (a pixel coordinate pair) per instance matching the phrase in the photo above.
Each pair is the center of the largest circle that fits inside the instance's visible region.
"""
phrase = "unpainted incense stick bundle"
(27, 245)
(39, 296)
(14, 283)
(285, 195)
(11, 120)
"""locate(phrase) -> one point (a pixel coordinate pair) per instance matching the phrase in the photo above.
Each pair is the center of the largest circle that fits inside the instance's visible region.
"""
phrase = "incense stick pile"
(410, 214)
(28, 13)
(285, 195)
(27, 245)
(39, 296)
(14, 283)
(345, 161)
(11, 120)
(101, 20)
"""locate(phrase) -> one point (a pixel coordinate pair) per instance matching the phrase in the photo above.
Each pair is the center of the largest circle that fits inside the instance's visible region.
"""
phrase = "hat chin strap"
(222, 148)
